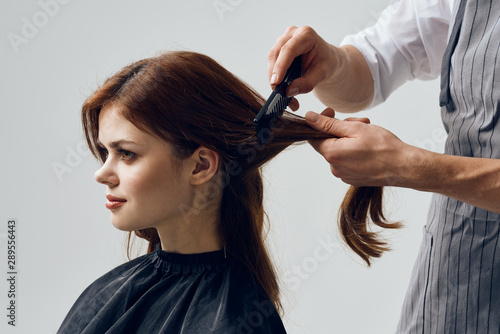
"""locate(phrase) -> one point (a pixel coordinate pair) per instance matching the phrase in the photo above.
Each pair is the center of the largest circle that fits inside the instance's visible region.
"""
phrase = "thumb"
(326, 124)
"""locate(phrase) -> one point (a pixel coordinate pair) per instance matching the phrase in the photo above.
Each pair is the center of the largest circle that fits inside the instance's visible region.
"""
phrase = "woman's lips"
(114, 202)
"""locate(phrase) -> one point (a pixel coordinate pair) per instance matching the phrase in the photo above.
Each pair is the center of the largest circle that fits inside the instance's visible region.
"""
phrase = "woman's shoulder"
(100, 292)
(128, 266)
(116, 276)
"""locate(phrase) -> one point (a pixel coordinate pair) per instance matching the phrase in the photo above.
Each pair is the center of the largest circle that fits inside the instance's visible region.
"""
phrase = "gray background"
(65, 238)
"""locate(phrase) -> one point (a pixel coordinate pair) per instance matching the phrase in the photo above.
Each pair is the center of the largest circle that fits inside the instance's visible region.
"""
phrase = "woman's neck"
(195, 233)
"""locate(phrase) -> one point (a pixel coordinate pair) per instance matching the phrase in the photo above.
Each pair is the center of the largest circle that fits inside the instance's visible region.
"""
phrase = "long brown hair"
(189, 100)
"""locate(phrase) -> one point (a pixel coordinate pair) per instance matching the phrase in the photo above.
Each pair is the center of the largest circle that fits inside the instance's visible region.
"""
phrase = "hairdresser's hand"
(318, 60)
(363, 154)
(340, 77)
(367, 155)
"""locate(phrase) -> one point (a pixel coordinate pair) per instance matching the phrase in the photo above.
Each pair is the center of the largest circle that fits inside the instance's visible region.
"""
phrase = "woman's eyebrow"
(116, 144)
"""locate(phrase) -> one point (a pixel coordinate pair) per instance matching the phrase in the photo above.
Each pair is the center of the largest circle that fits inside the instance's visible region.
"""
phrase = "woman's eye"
(126, 155)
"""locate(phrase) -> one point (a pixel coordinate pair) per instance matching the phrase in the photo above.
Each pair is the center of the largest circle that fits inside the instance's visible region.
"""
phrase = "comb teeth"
(276, 103)
(284, 103)
(265, 119)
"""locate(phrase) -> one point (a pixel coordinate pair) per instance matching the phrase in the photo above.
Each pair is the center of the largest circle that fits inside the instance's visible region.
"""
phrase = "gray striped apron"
(455, 285)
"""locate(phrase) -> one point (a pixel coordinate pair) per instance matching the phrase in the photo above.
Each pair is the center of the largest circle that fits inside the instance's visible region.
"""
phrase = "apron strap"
(445, 97)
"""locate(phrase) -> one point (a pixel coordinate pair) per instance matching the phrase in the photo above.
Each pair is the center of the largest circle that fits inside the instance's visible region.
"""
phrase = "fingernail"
(274, 78)
(294, 91)
(312, 117)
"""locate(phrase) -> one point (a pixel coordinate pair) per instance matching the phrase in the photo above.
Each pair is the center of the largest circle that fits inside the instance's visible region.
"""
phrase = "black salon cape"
(171, 293)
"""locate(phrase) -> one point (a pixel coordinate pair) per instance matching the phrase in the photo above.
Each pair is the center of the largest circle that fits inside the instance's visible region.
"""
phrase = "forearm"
(364, 154)
(350, 88)
(475, 181)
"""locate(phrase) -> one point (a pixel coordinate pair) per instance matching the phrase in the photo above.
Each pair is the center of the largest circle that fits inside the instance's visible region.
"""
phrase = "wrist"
(412, 168)
(425, 170)
(348, 84)
(339, 60)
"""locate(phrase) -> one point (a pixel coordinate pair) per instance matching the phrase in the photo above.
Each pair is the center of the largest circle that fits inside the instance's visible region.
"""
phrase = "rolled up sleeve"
(406, 43)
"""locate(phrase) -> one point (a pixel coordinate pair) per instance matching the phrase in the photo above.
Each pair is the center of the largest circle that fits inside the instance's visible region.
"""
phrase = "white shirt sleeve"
(407, 42)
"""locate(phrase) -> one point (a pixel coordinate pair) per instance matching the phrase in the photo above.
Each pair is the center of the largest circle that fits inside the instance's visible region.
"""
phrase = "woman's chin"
(123, 225)
(127, 225)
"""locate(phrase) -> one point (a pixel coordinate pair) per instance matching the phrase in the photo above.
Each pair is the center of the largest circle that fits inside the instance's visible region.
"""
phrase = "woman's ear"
(206, 164)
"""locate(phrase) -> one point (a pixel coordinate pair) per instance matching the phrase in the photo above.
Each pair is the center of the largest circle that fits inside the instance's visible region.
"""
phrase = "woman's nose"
(106, 175)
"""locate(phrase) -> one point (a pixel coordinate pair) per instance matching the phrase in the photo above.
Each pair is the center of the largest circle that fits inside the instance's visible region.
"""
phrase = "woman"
(181, 166)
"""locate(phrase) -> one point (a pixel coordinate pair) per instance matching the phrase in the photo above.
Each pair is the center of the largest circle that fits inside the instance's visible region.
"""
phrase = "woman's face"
(145, 187)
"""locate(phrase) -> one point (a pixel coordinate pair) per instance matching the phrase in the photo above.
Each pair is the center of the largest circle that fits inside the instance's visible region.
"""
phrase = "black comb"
(276, 103)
